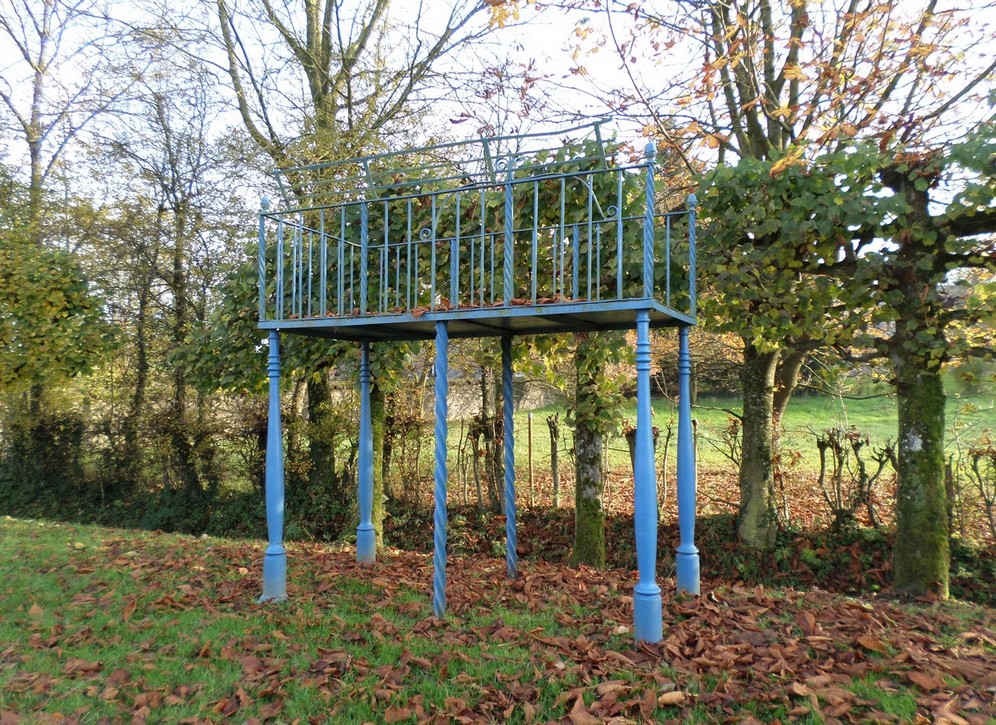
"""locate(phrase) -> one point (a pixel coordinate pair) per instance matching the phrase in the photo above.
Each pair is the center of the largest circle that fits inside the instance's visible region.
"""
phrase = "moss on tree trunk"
(591, 416)
(589, 522)
(921, 558)
(757, 523)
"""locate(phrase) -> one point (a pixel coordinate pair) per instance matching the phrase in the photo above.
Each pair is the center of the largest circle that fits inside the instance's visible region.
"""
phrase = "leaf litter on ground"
(150, 627)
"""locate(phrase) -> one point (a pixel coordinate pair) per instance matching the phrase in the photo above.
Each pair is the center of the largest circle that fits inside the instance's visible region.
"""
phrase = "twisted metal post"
(439, 516)
(364, 256)
(264, 208)
(509, 268)
(508, 402)
(647, 606)
(692, 302)
(687, 558)
(366, 538)
(275, 558)
(648, 224)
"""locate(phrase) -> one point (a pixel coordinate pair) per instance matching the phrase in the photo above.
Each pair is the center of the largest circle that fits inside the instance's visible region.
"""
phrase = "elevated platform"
(486, 322)
(521, 235)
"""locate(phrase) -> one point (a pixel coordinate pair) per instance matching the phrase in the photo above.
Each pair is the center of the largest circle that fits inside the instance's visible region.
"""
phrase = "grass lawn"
(110, 625)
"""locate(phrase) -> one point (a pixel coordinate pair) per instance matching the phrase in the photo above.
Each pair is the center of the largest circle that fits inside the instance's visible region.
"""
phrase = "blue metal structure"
(518, 235)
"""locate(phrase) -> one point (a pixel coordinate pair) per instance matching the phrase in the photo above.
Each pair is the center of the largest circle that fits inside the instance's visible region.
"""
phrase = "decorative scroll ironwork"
(555, 227)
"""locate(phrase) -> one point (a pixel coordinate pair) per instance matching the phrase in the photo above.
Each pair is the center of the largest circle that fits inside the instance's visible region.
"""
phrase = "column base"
(687, 571)
(274, 575)
(648, 615)
(366, 544)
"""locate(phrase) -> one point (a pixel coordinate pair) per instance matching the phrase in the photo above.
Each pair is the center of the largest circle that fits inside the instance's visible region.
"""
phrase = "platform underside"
(485, 321)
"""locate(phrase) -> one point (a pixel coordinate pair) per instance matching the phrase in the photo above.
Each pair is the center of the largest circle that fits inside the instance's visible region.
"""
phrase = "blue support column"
(366, 539)
(647, 608)
(439, 517)
(687, 559)
(275, 558)
(511, 558)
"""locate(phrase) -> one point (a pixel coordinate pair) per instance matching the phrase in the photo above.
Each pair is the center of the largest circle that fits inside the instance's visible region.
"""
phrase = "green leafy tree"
(51, 327)
(364, 79)
(945, 228)
(766, 227)
(783, 82)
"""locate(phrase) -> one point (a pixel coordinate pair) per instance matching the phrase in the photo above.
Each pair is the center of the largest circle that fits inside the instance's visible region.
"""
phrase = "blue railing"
(529, 230)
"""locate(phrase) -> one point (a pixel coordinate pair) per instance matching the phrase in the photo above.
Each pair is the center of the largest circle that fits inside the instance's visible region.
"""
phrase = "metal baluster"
(311, 266)
(533, 268)
(280, 268)
(648, 225)
(575, 262)
(385, 278)
(341, 264)
(409, 270)
(455, 259)
(323, 281)
(591, 197)
(619, 235)
(433, 263)
(509, 270)
(693, 304)
(667, 260)
(264, 208)
(364, 255)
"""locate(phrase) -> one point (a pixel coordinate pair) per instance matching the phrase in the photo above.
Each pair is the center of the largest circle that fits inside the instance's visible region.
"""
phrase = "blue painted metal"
(692, 301)
(575, 262)
(264, 209)
(460, 213)
(534, 243)
(508, 403)
(366, 539)
(275, 558)
(439, 472)
(323, 283)
(648, 224)
(279, 303)
(687, 558)
(364, 256)
(509, 247)
(647, 606)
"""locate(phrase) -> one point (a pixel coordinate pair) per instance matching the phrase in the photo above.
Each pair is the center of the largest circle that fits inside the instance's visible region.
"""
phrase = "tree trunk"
(322, 474)
(589, 518)
(916, 349)
(921, 559)
(757, 523)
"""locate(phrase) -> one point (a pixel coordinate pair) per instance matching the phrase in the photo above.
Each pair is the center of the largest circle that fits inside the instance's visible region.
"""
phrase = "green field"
(967, 420)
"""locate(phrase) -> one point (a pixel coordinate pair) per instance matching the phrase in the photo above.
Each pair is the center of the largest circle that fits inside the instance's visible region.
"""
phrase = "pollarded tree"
(946, 226)
(778, 82)
(765, 229)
